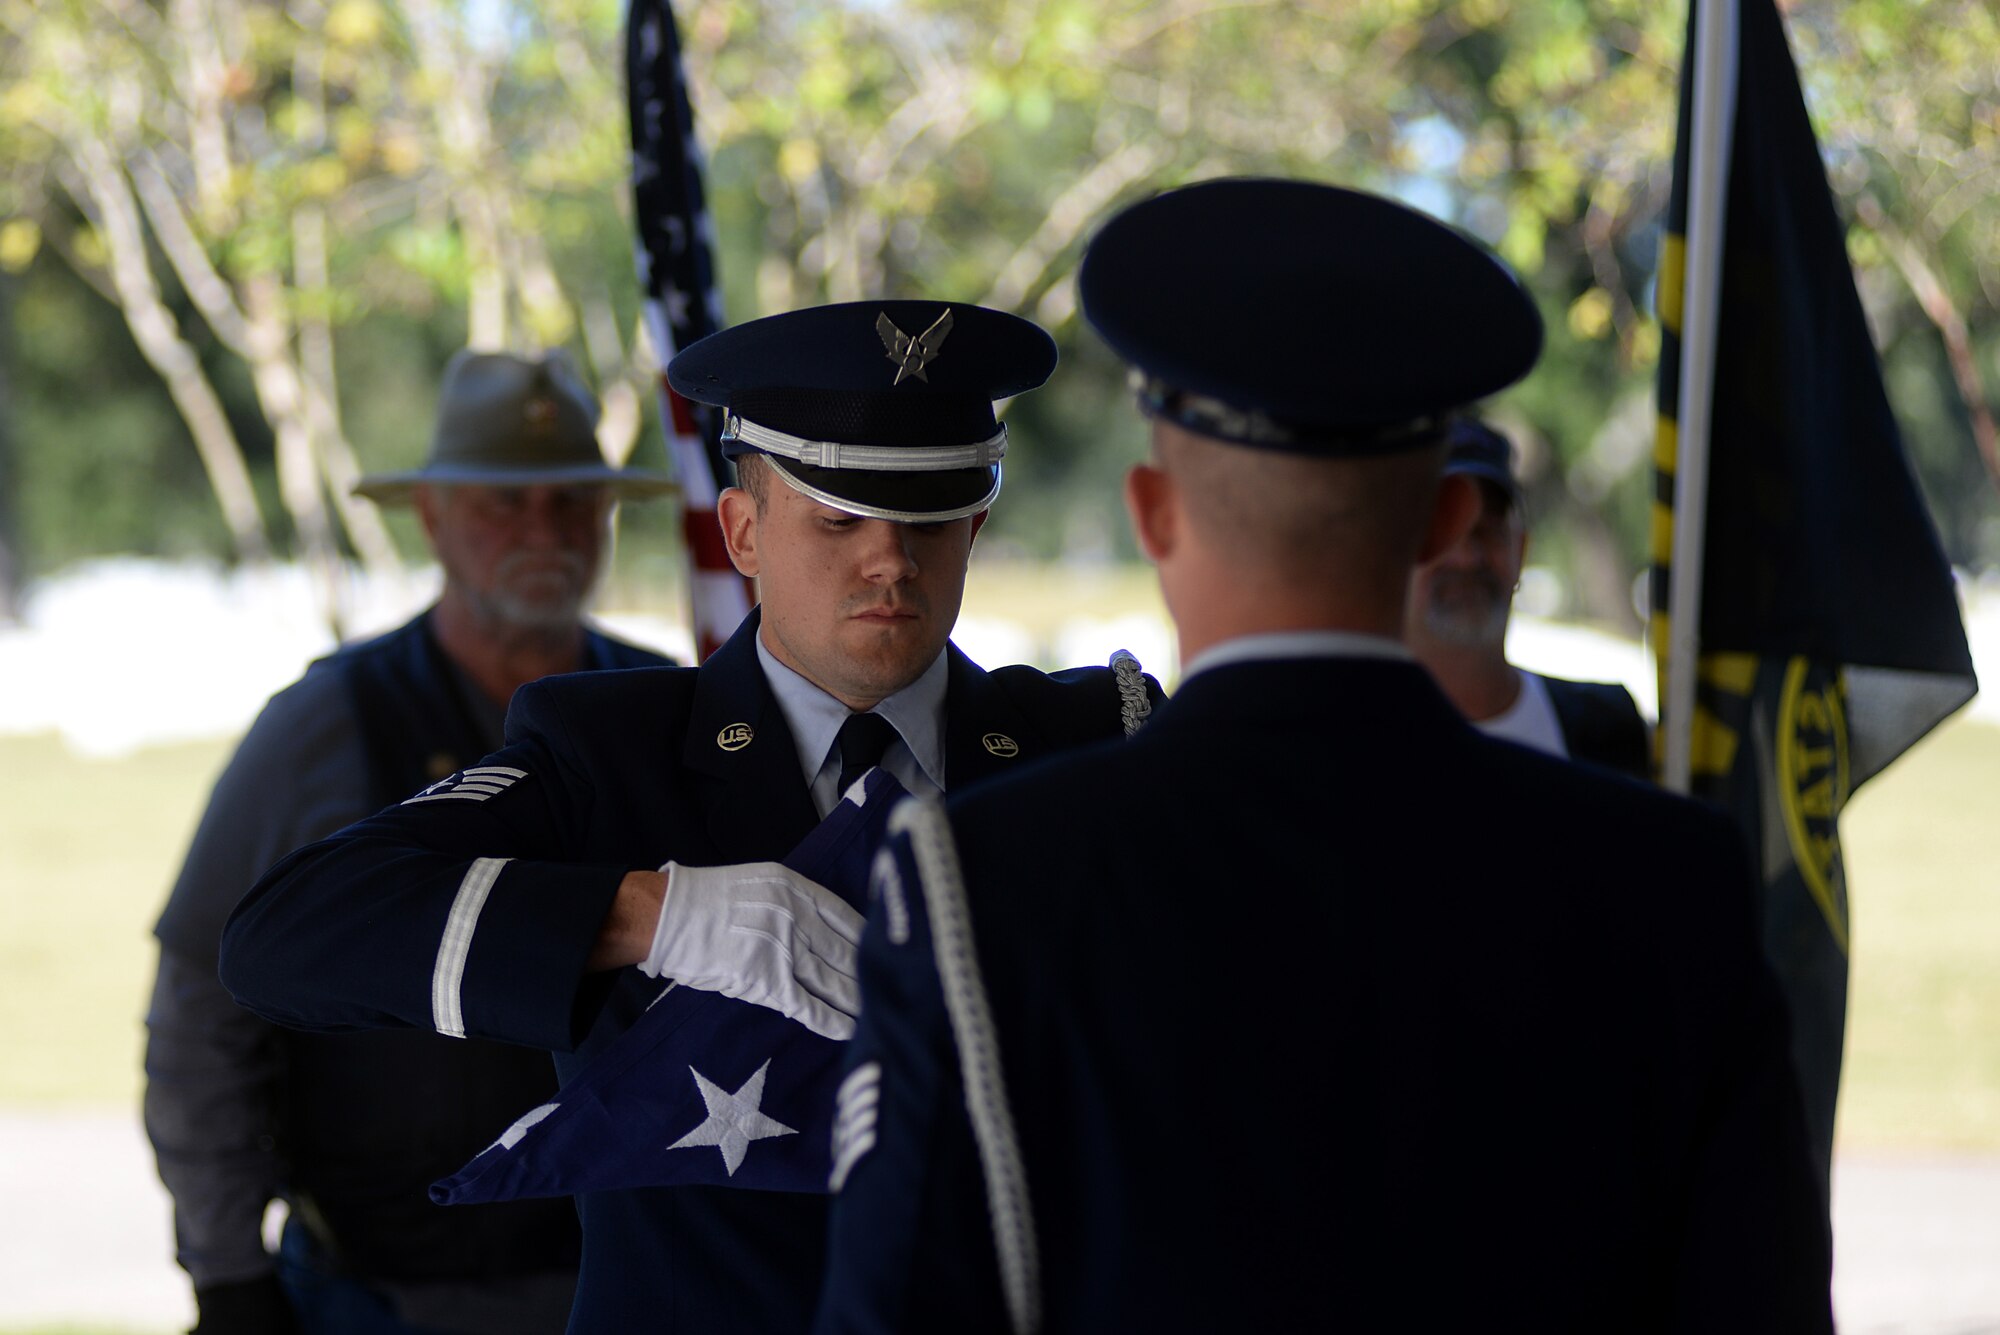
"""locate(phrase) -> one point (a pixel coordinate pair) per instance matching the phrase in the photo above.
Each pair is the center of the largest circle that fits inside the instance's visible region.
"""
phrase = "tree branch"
(209, 291)
(1068, 215)
(160, 341)
(1943, 313)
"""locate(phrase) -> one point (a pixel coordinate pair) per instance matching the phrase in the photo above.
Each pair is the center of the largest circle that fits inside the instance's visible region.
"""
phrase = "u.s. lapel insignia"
(912, 355)
(734, 737)
(1000, 744)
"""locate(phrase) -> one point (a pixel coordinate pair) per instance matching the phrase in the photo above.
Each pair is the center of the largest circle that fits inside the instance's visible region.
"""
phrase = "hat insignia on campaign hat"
(508, 421)
(912, 355)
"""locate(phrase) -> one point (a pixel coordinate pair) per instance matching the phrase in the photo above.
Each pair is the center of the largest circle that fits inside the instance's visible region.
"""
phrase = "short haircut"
(1305, 516)
(753, 474)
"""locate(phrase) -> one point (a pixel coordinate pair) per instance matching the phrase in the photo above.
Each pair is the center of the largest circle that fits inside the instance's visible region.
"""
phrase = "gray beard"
(542, 604)
(1467, 609)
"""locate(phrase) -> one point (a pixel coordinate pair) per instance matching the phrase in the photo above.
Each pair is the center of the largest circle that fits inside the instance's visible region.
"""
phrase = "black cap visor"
(903, 498)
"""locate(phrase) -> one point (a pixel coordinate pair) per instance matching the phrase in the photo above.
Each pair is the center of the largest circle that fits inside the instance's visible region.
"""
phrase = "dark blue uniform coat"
(473, 906)
(1305, 1028)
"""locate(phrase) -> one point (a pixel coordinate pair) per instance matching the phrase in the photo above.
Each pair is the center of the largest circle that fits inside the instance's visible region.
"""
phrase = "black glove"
(249, 1307)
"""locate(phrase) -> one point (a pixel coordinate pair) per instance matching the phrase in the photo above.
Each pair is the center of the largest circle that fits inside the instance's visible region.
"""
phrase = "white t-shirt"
(1530, 720)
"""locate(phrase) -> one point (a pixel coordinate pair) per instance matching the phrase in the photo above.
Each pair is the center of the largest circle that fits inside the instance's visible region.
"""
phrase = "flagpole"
(1713, 121)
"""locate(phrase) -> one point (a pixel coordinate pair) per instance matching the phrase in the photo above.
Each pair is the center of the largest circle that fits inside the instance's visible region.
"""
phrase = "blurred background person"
(349, 1129)
(1459, 607)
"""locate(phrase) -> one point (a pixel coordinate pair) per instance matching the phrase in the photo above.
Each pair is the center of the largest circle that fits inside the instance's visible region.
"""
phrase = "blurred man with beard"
(1457, 626)
(350, 1129)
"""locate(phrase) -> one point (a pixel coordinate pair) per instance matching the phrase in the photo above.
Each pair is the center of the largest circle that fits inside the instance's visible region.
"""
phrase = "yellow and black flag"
(1804, 612)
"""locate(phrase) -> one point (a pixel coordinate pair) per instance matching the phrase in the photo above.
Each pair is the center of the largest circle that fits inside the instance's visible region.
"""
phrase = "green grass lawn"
(88, 848)
(1923, 1028)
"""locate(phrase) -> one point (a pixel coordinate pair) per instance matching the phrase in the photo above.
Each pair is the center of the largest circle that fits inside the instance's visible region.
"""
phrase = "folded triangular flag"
(704, 1090)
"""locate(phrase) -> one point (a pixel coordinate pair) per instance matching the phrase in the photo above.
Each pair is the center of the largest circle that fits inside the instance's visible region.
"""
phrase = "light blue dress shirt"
(916, 712)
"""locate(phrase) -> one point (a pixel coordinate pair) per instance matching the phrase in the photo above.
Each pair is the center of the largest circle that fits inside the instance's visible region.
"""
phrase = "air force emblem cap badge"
(912, 355)
(919, 444)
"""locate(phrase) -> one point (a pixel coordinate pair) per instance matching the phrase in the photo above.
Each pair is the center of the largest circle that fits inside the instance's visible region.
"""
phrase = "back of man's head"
(1300, 379)
(1300, 514)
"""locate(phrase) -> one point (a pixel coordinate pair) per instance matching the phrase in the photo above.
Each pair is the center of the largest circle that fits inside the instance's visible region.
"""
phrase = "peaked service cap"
(880, 408)
(507, 421)
(1477, 450)
(1305, 318)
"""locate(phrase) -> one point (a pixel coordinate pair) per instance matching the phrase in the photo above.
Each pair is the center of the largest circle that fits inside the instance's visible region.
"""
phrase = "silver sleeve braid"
(979, 1057)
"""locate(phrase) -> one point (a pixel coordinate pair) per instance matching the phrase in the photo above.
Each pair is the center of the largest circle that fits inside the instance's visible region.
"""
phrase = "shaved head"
(1305, 516)
(1249, 540)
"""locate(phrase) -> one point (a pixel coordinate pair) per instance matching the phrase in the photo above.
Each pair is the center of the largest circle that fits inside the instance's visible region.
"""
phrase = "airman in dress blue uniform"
(511, 899)
(1272, 1018)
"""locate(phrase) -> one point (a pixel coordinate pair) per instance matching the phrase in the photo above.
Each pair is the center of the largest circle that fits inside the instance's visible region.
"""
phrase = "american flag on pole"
(682, 302)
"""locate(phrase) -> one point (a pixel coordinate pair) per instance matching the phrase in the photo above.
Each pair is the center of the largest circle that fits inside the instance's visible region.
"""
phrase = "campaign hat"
(508, 421)
(1307, 318)
(882, 409)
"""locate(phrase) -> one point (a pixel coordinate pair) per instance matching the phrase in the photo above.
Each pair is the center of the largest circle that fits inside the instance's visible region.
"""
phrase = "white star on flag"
(734, 1120)
(676, 303)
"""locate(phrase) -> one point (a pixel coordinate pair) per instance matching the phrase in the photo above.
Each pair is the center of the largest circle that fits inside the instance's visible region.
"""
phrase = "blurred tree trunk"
(1934, 299)
(335, 455)
(10, 560)
(462, 83)
(106, 199)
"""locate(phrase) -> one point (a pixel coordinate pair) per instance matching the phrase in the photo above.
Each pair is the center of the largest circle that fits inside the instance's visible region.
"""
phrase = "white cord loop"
(1134, 705)
(978, 1042)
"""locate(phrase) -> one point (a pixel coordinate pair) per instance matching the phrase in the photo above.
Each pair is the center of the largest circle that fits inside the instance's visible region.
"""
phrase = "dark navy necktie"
(862, 742)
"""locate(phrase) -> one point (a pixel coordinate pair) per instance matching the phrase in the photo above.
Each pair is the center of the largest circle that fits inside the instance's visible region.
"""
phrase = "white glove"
(760, 932)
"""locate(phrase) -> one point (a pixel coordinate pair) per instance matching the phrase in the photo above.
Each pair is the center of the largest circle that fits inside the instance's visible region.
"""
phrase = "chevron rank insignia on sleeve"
(471, 785)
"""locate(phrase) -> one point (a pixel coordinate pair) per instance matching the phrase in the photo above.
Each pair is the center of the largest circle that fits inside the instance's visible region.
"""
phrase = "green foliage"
(109, 467)
(966, 148)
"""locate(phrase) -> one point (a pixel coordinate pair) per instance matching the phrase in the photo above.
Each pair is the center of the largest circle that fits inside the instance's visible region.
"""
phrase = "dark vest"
(1601, 724)
(371, 1119)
